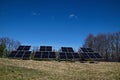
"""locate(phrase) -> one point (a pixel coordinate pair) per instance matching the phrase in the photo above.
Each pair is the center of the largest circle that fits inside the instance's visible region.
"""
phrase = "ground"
(13, 69)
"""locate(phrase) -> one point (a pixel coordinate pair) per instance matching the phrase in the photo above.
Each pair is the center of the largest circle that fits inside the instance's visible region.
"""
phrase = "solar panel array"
(22, 52)
(68, 54)
(88, 53)
(45, 53)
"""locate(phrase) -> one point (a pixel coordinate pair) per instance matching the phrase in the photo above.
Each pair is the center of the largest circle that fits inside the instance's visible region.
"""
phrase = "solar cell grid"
(85, 55)
(38, 55)
(27, 54)
(76, 55)
(12, 54)
(45, 54)
(42, 48)
(84, 49)
(91, 55)
(52, 55)
(69, 55)
(45, 48)
(62, 55)
(48, 48)
(67, 49)
(64, 49)
(97, 55)
(70, 49)
(19, 54)
(20, 48)
(26, 48)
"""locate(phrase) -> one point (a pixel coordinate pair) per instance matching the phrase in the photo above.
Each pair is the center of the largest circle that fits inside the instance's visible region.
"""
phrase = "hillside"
(12, 69)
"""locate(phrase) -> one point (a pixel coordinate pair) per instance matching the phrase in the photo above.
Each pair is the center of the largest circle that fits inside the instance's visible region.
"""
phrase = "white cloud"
(73, 16)
(35, 14)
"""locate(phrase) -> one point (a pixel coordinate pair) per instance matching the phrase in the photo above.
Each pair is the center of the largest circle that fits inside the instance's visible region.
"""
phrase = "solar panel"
(42, 48)
(49, 48)
(38, 55)
(45, 48)
(19, 54)
(27, 55)
(67, 49)
(91, 55)
(62, 55)
(84, 49)
(89, 50)
(84, 55)
(70, 49)
(45, 54)
(26, 47)
(69, 55)
(76, 56)
(20, 48)
(64, 49)
(12, 54)
(52, 55)
(97, 55)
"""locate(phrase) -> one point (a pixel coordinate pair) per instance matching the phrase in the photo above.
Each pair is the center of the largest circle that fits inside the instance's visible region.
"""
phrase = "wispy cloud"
(73, 16)
(35, 14)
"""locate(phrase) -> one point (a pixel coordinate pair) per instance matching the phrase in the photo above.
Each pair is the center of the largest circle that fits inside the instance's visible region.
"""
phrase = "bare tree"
(10, 44)
(106, 44)
(117, 45)
(89, 41)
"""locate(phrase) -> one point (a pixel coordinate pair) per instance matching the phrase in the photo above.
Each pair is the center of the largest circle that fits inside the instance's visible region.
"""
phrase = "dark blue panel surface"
(52, 55)
(27, 54)
(64, 49)
(91, 55)
(69, 55)
(37, 55)
(27, 47)
(76, 55)
(84, 49)
(45, 54)
(84, 55)
(19, 54)
(97, 55)
(20, 48)
(62, 55)
(12, 54)
(70, 49)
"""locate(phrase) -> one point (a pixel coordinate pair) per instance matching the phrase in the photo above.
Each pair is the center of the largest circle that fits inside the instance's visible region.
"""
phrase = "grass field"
(12, 69)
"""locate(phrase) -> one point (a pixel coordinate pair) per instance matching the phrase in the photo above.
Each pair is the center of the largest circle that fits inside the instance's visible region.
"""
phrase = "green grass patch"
(20, 73)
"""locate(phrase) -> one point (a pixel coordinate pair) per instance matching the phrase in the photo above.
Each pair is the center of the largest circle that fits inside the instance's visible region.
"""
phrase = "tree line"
(107, 44)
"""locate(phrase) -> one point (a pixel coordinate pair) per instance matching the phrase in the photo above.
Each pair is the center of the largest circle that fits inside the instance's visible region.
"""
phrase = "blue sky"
(57, 22)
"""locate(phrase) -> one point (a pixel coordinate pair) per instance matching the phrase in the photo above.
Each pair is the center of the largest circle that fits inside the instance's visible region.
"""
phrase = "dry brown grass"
(55, 70)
